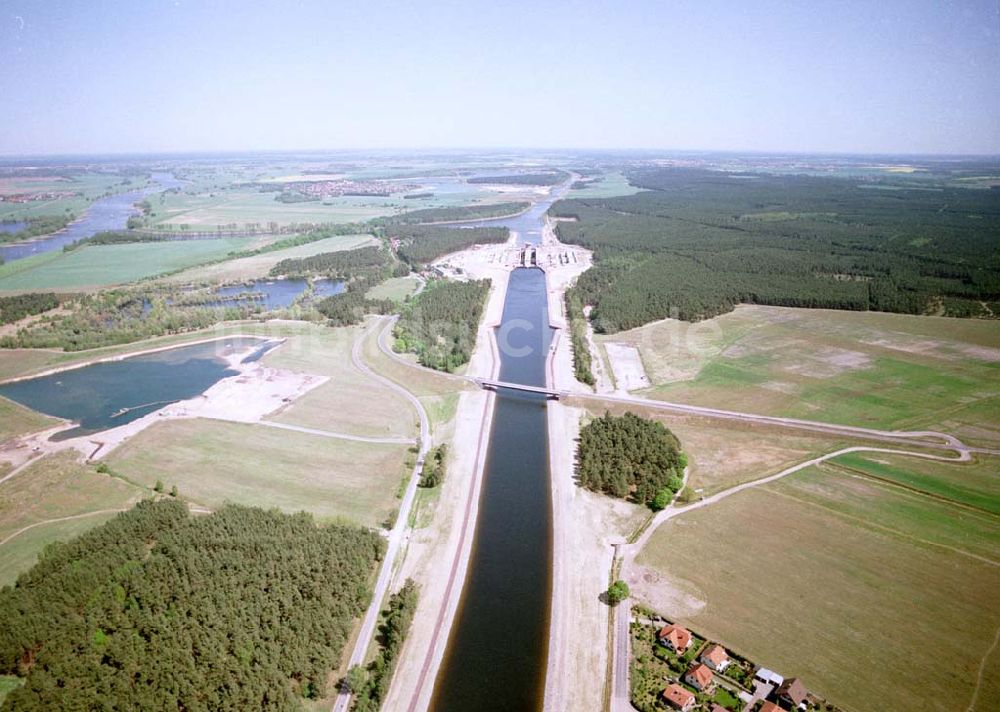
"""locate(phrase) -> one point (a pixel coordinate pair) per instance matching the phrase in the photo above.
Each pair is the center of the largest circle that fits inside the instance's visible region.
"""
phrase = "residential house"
(715, 657)
(768, 677)
(676, 637)
(793, 692)
(678, 698)
(769, 707)
(700, 677)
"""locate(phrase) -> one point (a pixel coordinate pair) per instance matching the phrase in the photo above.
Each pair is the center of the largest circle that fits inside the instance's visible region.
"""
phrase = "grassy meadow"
(95, 266)
(338, 480)
(350, 402)
(245, 268)
(54, 487)
(859, 368)
(879, 598)
(16, 420)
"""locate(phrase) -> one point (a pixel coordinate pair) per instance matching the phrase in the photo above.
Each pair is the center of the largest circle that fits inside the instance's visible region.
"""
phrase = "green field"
(877, 597)
(15, 420)
(350, 402)
(609, 186)
(396, 289)
(870, 369)
(54, 487)
(245, 268)
(333, 479)
(974, 484)
(101, 265)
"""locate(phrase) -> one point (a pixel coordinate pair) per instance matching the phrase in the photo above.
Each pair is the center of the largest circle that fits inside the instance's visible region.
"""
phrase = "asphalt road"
(395, 538)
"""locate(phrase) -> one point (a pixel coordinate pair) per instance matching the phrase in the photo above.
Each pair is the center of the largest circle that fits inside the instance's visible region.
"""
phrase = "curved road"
(394, 540)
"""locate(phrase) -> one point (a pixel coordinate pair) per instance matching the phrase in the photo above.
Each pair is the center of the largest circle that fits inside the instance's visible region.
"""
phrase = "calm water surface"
(106, 395)
(110, 213)
(497, 652)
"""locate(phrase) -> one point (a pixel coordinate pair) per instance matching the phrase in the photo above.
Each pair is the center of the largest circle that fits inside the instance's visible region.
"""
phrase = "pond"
(274, 293)
(112, 393)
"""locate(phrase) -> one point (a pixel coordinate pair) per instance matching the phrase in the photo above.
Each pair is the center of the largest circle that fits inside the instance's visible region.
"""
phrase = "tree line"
(697, 242)
(370, 684)
(630, 457)
(457, 213)
(17, 307)
(546, 178)
(419, 245)
(433, 472)
(155, 610)
(440, 324)
(38, 227)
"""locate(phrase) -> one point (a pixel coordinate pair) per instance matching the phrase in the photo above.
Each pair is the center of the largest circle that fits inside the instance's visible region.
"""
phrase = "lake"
(112, 393)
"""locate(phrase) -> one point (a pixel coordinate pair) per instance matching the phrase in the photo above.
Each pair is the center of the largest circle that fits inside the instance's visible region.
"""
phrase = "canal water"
(113, 393)
(497, 652)
(111, 213)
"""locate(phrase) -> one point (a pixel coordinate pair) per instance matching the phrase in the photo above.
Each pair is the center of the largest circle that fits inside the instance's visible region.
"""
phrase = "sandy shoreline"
(130, 354)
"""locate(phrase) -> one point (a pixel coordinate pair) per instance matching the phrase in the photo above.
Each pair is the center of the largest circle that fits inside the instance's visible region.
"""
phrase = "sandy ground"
(627, 365)
(257, 391)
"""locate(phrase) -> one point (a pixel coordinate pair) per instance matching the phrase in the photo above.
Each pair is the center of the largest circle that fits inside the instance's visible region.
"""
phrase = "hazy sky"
(802, 75)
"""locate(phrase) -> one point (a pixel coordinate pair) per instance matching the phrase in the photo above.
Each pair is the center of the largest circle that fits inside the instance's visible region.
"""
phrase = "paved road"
(396, 536)
(621, 658)
(338, 436)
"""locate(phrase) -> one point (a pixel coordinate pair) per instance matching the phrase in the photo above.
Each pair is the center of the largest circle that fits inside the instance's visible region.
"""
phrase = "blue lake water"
(113, 393)
(111, 213)
(275, 293)
(10, 227)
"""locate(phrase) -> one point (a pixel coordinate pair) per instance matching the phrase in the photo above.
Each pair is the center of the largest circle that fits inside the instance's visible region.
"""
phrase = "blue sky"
(838, 76)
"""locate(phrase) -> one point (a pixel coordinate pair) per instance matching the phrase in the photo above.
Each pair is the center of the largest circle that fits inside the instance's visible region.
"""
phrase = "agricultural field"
(350, 402)
(246, 268)
(15, 420)
(340, 480)
(96, 266)
(54, 488)
(608, 185)
(208, 211)
(396, 289)
(897, 569)
(870, 369)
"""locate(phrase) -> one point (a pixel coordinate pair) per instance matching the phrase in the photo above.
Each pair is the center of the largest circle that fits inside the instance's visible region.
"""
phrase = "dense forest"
(340, 264)
(630, 457)
(38, 226)
(460, 213)
(697, 242)
(420, 245)
(156, 610)
(19, 306)
(440, 324)
(546, 178)
(370, 685)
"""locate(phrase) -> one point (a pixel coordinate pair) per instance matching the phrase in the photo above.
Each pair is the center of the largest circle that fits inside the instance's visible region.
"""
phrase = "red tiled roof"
(677, 696)
(715, 654)
(701, 674)
(770, 707)
(678, 635)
